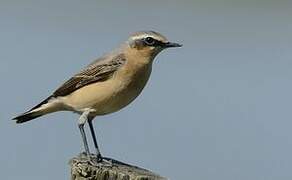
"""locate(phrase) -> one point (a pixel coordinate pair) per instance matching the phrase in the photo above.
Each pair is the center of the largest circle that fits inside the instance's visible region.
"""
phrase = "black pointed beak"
(171, 44)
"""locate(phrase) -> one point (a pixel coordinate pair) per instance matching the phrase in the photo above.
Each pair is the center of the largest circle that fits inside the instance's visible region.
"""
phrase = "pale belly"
(108, 96)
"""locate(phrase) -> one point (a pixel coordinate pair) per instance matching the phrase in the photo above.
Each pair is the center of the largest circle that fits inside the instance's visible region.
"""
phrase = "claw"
(99, 158)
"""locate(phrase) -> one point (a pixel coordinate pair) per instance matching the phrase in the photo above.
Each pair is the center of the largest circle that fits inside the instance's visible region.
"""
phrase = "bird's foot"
(97, 160)
(104, 161)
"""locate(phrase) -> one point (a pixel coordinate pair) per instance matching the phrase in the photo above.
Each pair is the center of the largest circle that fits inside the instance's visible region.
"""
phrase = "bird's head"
(149, 43)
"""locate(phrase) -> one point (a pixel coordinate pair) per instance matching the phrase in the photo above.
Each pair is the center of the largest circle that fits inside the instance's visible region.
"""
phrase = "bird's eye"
(149, 41)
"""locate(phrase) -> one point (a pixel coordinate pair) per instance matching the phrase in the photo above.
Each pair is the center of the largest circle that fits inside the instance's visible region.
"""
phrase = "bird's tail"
(27, 116)
(43, 108)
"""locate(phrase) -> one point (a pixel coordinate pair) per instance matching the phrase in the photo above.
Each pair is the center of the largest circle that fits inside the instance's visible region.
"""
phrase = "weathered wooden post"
(81, 169)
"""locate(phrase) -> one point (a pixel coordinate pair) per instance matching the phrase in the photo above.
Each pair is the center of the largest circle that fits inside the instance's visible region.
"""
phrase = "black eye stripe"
(159, 43)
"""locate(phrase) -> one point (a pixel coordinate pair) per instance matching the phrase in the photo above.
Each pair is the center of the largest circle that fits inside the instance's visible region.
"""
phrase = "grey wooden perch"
(81, 169)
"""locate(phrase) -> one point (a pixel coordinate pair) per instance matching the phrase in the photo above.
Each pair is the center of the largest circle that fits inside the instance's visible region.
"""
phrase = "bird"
(106, 85)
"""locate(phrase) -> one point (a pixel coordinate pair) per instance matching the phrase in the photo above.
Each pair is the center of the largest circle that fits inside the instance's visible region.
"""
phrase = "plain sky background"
(218, 108)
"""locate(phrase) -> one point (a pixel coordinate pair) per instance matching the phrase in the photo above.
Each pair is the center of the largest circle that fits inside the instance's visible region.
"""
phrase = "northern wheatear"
(106, 85)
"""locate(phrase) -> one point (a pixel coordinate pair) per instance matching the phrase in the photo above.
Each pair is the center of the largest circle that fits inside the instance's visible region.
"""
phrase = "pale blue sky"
(218, 108)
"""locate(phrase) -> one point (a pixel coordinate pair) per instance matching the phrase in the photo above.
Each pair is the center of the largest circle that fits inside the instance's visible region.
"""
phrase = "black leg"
(99, 157)
(81, 127)
(82, 120)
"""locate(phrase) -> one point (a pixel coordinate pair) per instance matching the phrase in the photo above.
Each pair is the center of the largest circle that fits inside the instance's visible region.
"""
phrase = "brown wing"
(100, 70)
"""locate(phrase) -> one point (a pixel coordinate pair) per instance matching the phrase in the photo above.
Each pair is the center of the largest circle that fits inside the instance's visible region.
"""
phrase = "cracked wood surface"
(82, 169)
